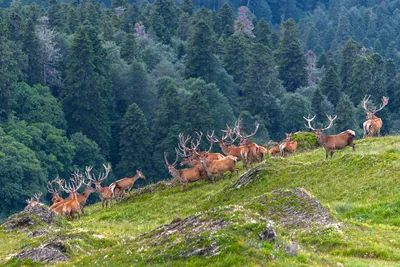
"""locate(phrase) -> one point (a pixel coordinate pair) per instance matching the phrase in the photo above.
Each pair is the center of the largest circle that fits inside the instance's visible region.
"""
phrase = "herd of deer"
(202, 164)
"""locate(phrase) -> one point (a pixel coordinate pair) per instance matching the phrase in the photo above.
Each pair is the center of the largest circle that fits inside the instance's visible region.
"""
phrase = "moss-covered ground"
(361, 191)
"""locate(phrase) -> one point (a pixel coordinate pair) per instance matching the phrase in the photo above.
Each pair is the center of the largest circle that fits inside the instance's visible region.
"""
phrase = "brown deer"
(72, 206)
(331, 143)
(219, 166)
(288, 146)
(119, 188)
(34, 201)
(373, 123)
(56, 198)
(82, 198)
(254, 150)
(239, 152)
(185, 176)
(191, 156)
(105, 193)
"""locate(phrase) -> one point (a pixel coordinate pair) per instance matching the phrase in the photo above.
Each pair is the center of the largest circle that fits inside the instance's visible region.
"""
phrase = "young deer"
(185, 176)
(105, 193)
(219, 166)
(332, 142)
(373, 123)
(118, 188)
(288, 146)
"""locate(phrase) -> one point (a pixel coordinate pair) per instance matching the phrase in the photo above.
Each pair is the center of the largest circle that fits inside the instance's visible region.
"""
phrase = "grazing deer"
(34, 201)
(219, 166)
(288, 146)
(118, 188)
(56, 198)
(239, 152)
(332, 142)
(105, 193)
(373, 123)
(185, 176)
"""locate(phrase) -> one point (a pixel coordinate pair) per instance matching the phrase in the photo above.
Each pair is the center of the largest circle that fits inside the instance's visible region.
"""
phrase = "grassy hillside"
(219, 224)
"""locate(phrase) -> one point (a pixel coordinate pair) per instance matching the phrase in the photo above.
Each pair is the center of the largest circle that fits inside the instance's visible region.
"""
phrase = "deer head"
(140, 175)
(35, 200)
(171, 167)
(371, 113)
(101, 176)
(320, 132)
(244, 139)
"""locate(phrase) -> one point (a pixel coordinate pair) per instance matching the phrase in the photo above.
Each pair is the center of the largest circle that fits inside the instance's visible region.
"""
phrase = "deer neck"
(176, 173)
(374, 117)
(224, 148)
(205, 167)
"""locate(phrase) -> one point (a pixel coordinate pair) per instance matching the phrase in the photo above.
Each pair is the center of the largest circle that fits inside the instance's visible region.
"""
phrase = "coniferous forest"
(88, 82)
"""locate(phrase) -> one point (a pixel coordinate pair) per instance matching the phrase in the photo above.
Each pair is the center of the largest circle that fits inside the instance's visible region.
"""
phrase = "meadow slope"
(219, 224)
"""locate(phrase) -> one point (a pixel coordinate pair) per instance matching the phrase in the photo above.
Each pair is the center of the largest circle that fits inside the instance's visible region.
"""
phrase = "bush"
(305, 140)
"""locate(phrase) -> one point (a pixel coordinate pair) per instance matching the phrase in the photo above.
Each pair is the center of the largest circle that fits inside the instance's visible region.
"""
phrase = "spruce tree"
(197, 114)
(330, 86)
(236, 56)
(295, 107)
(346, 118)
(317, 106)
(350, 54)
(322, 61)
(164, 19)
(226, 17)
(291, 59)
(343, 29)
(135, 143)
(53, 12)
(361, 79)
(200, 58)
(86, 93)
(129, 48)
(262, 33)
(30, 47)
(187, 6)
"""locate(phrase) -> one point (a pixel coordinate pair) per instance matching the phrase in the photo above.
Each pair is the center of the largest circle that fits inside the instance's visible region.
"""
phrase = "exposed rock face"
(32, 215)
(51, 252)
(248, 176)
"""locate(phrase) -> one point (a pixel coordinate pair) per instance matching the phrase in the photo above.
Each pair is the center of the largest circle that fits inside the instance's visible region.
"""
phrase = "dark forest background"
(84, 83)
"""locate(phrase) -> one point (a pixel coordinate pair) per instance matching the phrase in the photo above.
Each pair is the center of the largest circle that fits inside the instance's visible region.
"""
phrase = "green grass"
(360, 189)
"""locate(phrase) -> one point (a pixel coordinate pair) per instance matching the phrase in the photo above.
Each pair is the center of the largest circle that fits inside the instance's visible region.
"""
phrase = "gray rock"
(51, 252)
(268, 234)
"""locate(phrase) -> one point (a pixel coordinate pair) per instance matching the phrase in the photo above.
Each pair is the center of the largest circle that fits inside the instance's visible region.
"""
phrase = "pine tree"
(129, 48)
(322, 61)
(350, 54)
(226, 17)
(197, 114)
(262, 33)
(330, 86)
(317, 106)
(187, 6)
(86, 93)
(236, 56)
(361, 79)
(200, 58)
(291, 59)
(135, 143)
(346, 117)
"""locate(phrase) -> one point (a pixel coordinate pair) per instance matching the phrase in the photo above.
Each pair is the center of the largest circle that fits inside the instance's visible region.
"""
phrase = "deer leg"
(332, 153)
(184, 187)
(327, 153)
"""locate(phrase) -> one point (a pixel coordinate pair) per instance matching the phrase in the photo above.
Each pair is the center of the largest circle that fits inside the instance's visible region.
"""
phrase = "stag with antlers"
(256, 152)
(105, 193)
(331, 143)
(34, 201)
(373, 123)
(55, 193)
(185, 176)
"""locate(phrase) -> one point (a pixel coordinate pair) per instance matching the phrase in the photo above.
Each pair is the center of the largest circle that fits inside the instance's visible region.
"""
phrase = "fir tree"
(350, 54)
(322, 61)
(31, 49)
(129, 48)
(291, 59)
(361, 79)
(53, 13)
(262, 33)
(135, 143)
(236, 56)
(163, 19)
(226, 17)
(317, 105)
(330, 86)
(295, 106)
(86, 82)
(187, 6)
(200, 58)
(197, 114)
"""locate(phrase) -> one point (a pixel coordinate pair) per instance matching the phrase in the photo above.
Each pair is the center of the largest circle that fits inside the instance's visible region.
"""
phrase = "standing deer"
(55, 198)
(185, 176)
(288, 146)
(255, 153)
(105, 193)
(72, 206)
(239, 152)
(373, 123)
(219, 166)
(332, 142)
(82, 198)
(118, 188)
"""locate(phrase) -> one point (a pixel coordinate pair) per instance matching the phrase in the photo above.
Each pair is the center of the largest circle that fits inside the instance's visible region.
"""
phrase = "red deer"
(118, 188)
(82, 198)
(185, 176)
(105, 193)
(239, 152)
(55, 192)
(219, 166)
(255, 154)
(71, 207)
(373, 123)
(34, 201)
(288, 146)
(332, 142)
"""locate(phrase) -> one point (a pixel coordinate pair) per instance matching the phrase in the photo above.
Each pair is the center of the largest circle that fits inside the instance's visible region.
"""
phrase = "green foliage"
(361, 79)
(295, 107)
(87, 152)
(163, 19)
(236, 56)
(197, 114)
(135, 143)
(346, 117)
(226, 17)
(350, 54)
(187, 6)
(330, 85)
(305, 140)
(290, 58)
(262, 33)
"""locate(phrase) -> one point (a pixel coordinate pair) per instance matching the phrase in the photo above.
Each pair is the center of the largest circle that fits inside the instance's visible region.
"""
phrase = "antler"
(309, 120)
(166, 160)
(330, 122)
(385, 101)
(198, 141)
(211, 138)
(364, 103)
(50, 187)
(182, 145)
(37, 196)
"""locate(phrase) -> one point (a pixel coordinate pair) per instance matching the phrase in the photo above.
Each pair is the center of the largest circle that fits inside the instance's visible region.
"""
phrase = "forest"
(89, 82)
